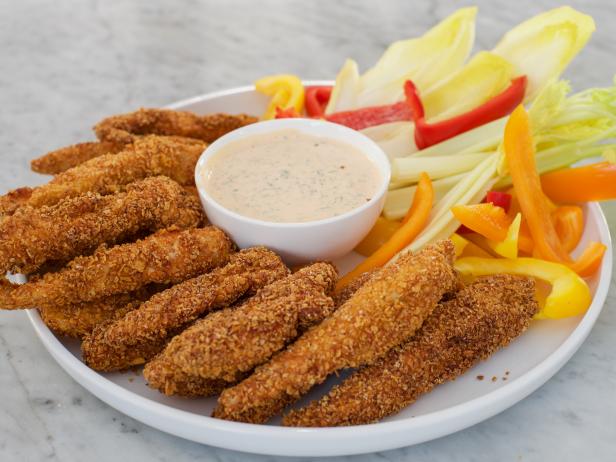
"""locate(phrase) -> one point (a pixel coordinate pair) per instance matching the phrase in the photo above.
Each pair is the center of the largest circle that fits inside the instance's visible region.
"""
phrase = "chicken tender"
(383, 313)
(341, 296)
(62, 159)
(150, 156)
(482, 318)
(78, 320)
(142, 333)
(77, 226)
(166, 257)
(126, 128)
(223, 347)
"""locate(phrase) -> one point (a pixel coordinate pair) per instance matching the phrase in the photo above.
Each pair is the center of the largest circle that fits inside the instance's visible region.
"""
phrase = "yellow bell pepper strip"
(590, 260)
(595, 182)
(472, 249)
(286, 91)
(482, 249)
(570, 295)
(422, 205)
(520, 155)
(486, 219)
(466, 248)
(569, 225)
(525, 240)
(380, 233)
(459, 244)
(508, 247)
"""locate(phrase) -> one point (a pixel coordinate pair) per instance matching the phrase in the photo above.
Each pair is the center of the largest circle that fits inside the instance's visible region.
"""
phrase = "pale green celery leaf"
(544, 45)
(483, 77)
(344, 94)
(425, 60)
(549, 104)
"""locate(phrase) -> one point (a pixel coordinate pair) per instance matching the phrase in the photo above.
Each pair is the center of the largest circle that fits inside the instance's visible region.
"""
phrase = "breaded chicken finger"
(126, 128)
(62, 159)
(136, 337)
(167, 257)
(77, 226)
(78, 319)
(384, 312)
(150, 156)
(223, 347)
(482, 318)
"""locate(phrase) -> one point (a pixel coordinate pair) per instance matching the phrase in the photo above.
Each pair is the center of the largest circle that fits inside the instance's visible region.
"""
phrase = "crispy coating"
(142, 333)
(14, 199)
(77, 226)
(341, 297)
(78, 320)
(482, 318)
(149, 156)
(126, 128)
(383, 313)
(62, 159)
(223, 347)
(166, 257)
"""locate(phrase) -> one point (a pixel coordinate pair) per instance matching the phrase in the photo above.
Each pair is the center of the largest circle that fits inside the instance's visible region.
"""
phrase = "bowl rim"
(315, 127)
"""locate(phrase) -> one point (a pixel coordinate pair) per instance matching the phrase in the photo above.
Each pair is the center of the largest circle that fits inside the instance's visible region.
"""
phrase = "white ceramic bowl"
(325, 239)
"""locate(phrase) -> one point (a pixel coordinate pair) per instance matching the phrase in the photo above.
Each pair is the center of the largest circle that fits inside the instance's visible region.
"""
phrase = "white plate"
(531, 360)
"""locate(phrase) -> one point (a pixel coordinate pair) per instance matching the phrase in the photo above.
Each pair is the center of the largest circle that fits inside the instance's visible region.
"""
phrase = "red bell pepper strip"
(500, 199)
(428, 134)
(316, 100)
(289, 113)
(358, 119)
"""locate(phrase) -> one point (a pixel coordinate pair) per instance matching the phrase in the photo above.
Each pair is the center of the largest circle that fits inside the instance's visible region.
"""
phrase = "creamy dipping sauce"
(289, 176)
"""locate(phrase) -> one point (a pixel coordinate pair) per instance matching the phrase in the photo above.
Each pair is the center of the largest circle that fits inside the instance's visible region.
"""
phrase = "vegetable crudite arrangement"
(479, 234)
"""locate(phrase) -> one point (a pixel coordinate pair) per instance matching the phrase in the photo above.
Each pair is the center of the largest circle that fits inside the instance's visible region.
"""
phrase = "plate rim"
(334, 441)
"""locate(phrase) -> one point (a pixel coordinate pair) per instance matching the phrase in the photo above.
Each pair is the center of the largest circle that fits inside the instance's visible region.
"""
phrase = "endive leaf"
(543, 46)
(395, 138)
(483, 77)
(426, 60)
(344, 94)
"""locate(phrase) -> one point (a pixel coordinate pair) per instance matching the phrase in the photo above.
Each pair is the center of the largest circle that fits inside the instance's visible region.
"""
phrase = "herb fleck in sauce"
(289, 176)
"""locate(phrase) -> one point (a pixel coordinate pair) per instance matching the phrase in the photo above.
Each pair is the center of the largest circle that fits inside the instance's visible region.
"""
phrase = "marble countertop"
(67, 64)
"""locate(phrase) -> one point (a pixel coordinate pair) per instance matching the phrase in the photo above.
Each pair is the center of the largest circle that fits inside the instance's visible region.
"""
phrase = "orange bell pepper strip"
(595, 182)
(520, 155)
(525, 240)
(422, 205)
(569, 225)
(590, 260)
(486, 219)
(380, 233)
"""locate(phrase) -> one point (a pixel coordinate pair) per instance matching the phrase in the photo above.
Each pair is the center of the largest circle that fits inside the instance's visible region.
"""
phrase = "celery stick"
(407, 169)
(397, 201)
(471, 189)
